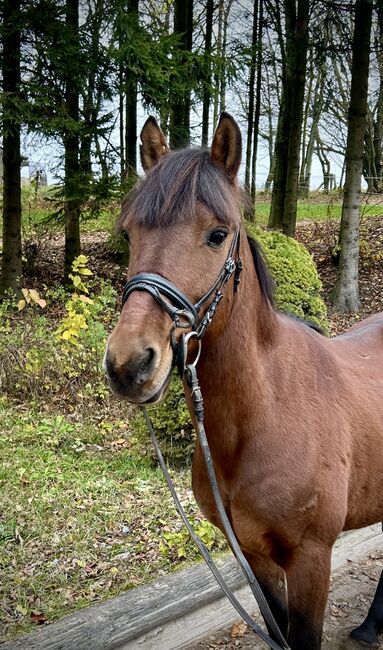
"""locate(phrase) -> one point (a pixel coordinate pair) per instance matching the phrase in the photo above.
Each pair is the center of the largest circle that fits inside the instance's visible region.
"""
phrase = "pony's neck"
(249, 323)
(236, 359)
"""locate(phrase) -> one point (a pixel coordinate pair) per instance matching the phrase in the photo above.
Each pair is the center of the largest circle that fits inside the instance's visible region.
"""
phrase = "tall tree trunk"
(378, 135)
(296, 117)
(324, 161)
(131, 105)
(316, 111)
(283, 127)
(222, 83)
(288, 143)
(121, 130)
(346, 291)
(180, 111)
(257, 111)
(305, 126)
(219, 55)
(72, 147)
(11, 267)
(207, 80)
(250, 113)
(165, 108)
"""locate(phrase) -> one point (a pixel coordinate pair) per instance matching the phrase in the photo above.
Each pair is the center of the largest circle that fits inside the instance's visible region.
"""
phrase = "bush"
(297, 292)
(172, 425)
(298, 287)
(54, 353)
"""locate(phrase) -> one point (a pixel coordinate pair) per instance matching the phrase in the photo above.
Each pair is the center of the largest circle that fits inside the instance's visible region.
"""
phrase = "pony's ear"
(153, 144)
(226, 149)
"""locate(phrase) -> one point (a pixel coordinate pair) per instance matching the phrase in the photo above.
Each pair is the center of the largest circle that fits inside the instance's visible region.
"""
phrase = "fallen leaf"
(38, 617)
(238, 629)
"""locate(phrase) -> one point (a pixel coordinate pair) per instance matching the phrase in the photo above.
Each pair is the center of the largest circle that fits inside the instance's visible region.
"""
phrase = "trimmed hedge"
(298, 287)
(298, 290)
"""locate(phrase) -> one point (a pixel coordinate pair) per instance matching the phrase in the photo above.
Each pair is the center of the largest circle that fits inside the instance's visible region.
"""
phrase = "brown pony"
(294, 420)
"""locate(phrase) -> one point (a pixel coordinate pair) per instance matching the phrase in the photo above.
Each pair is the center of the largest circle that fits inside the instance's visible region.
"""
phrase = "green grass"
(315, 210)
(74, 497)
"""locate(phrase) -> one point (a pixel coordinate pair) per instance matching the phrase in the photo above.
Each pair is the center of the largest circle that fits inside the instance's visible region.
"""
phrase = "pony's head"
(181, 220)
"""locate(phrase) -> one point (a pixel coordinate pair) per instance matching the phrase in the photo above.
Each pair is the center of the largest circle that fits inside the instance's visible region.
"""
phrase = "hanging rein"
(185, 315)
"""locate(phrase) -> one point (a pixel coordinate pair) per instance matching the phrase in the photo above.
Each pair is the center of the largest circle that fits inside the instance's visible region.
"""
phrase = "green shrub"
(54, 353)
(171, 422)
(297, 292)
(298, 287)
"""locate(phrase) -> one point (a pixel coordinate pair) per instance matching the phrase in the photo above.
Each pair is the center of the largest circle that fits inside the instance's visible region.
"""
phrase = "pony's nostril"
(109, 367)
(137, 369)
(145, 366)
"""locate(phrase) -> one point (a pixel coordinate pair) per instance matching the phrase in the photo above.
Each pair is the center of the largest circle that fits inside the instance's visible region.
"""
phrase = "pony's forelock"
(173, 188)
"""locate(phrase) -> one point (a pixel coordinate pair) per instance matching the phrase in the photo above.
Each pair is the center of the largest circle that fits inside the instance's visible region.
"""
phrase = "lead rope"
(196, 395)
(202, 548)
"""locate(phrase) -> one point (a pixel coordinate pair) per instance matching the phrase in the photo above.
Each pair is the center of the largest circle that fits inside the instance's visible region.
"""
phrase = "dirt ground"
(351, 592)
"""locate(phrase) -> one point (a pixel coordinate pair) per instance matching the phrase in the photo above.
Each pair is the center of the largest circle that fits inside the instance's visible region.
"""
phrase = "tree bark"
(207, 81)
(288, 143)
(180, 110)
(131, 106)
(257, 110)
(220, 55)
(346, 291)
(11, 267)
(378, 126)
(283, 127)
(72, 146)
(296, 116)
(324, 161)
(121, 121)
(222, 83)
(250, 113)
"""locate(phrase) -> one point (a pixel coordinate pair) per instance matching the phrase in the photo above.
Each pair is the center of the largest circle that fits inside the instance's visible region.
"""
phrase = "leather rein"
(185, 315)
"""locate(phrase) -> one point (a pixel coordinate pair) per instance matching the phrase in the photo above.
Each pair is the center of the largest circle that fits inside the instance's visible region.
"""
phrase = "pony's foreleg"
(308, 576)
(272, 581)
(370, 629)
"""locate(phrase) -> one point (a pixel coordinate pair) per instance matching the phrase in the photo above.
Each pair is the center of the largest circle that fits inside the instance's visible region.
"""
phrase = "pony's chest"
(266, 518)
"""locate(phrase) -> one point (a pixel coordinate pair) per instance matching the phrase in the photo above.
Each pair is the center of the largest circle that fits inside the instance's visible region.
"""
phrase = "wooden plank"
(195, 626)
(173, 612)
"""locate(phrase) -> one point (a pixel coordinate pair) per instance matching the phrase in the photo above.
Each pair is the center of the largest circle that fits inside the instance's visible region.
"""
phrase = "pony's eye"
(217, 237)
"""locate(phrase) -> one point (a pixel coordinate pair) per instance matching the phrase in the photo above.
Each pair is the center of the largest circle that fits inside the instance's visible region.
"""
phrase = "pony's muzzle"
(132, 378)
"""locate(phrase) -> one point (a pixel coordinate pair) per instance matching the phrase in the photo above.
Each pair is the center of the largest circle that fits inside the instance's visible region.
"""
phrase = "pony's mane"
(172, 189)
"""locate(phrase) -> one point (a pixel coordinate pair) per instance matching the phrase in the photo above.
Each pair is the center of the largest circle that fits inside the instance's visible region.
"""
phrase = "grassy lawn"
(84, 516)
(314, 209)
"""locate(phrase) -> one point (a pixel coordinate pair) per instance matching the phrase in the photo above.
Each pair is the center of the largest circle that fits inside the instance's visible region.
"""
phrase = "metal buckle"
(183, 319)
(181, 353)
